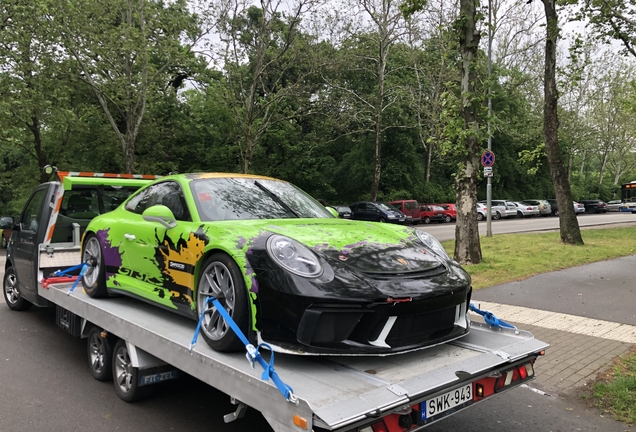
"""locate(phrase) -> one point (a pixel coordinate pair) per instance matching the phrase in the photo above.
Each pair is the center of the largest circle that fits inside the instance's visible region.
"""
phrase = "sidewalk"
(585, 313)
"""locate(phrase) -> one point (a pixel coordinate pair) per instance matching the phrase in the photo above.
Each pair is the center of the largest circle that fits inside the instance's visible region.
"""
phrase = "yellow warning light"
(300, 422)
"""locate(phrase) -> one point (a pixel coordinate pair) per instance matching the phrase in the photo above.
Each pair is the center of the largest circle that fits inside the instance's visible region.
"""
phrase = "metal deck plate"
(337, 390)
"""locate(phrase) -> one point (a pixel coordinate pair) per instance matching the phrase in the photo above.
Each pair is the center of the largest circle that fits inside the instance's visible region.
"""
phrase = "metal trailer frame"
(367, 388)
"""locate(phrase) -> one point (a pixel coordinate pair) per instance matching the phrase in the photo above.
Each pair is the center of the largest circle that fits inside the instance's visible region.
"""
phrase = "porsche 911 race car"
(288, 271)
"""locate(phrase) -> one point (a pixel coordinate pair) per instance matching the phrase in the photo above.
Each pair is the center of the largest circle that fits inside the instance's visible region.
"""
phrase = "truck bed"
(334, 392)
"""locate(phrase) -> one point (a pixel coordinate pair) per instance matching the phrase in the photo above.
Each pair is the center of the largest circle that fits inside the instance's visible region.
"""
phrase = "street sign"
(487, 170)
(488, 158)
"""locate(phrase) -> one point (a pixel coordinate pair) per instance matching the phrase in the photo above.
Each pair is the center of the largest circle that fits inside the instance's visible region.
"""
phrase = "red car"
(450, 212)
(432, 213)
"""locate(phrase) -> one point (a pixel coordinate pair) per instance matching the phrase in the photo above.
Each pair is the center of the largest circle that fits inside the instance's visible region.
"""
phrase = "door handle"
(129, 236)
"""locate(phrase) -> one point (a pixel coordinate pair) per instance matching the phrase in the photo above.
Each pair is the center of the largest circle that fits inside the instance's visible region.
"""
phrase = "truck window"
(31, 215)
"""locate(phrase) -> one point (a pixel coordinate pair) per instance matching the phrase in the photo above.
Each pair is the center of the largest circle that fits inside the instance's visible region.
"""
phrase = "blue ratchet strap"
(252, 352)
(79, 277)
(490, 318)
(67, 271)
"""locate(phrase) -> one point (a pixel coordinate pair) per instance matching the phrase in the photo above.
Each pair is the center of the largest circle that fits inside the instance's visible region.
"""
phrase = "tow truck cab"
(47, 235)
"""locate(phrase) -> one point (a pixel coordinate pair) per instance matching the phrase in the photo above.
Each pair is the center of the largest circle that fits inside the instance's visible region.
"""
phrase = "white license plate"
(447, 401)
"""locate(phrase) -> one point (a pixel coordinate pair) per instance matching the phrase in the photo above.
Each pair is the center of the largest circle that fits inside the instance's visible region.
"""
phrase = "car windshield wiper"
(276, 198)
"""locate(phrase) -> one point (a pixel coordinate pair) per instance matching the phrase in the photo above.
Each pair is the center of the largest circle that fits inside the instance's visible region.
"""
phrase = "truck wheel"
(100, 355)
(427, 220)
(126, 376)
(222, 279)
(94, 280)
(12, 295)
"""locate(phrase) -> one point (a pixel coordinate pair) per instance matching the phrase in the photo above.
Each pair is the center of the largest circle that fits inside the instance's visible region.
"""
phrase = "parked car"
(614, 205)
(432, 213)
(450, 212)
(578, 208)
(410, 208)
(594, 206)
(502, 209)
(287, 271)
(6, 233)
(525, 209)
(545, 209)
(376, 212)
(344, 212)
(482, 211)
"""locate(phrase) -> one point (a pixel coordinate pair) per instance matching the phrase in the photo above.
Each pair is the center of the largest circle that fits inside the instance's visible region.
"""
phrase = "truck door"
(31, 229)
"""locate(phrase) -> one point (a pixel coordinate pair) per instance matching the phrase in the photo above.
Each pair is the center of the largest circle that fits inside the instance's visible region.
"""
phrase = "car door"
(149, 248)
(31, 229)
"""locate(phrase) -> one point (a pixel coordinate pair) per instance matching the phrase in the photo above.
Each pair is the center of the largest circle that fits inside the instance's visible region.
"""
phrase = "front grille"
(409, 275)
(334, 327)
(419, 328)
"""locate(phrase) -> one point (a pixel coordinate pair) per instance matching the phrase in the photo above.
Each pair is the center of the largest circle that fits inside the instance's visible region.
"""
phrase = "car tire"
(497, 216)
(4, 243)
(221, 277)
(480, 216)
(100, 355)
(382, 220)
(94, 279)
(427, 220)
(126, 376)
(448, 219)
(12, 296)
(556, 213)
(519, 214)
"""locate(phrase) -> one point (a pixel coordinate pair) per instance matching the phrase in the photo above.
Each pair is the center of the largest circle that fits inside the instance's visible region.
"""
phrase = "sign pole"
(489, 184)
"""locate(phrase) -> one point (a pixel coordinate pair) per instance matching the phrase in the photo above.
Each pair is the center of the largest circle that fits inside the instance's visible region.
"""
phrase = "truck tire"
(94, 280)
(100, 355)
(222, 278)
(11, 291)
(126, 376)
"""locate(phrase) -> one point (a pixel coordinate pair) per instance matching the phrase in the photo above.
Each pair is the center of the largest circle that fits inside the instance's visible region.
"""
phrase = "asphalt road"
(446, 231)
(47, 387)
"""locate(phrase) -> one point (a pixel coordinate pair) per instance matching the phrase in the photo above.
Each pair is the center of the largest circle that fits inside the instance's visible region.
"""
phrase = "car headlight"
(432, 243)
(293, 256)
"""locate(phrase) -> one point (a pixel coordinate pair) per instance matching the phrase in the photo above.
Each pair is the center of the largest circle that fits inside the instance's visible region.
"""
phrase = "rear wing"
(68, 179)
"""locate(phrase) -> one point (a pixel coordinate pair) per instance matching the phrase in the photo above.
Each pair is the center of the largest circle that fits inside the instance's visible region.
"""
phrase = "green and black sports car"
(288, 272)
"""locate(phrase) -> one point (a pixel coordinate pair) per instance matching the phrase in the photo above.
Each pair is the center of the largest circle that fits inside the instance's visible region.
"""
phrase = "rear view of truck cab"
(47, 235)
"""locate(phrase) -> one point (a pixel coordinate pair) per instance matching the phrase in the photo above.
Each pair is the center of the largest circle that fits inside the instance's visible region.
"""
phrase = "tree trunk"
(467, 246)
(569, 226)
(379, 106)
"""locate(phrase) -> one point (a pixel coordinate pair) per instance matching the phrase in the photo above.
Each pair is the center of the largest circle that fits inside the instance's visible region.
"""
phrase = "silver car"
(578, 208)
(502, 209)
(614, 205)
(544, 206)
(526, 209)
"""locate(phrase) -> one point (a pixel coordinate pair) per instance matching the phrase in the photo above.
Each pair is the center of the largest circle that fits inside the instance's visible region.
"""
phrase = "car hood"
(372, 248)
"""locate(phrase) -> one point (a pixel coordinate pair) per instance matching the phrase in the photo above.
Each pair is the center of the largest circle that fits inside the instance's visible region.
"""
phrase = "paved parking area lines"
(562, 322)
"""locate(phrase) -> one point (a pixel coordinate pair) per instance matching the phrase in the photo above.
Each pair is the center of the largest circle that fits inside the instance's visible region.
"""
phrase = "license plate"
(157, 378)
(447, 401)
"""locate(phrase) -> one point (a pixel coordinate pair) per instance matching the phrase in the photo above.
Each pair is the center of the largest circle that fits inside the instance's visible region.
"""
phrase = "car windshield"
(385, 206)
(245, 198)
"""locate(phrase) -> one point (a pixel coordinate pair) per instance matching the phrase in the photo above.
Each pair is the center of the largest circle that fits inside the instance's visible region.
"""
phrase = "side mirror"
(333, 211)
(160, 214)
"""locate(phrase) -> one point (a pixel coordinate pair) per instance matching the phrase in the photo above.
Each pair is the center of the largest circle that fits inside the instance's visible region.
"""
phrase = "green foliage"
(617, 393)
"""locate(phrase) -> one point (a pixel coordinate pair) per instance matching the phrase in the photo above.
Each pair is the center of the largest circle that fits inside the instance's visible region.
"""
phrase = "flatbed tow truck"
(403, 392)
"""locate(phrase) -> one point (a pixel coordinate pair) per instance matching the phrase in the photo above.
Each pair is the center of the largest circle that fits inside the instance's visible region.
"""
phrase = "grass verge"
(511, 257)
(615, 391)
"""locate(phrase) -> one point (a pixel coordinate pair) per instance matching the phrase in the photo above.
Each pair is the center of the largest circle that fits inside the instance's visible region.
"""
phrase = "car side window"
(31, 214)
(165, 193)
